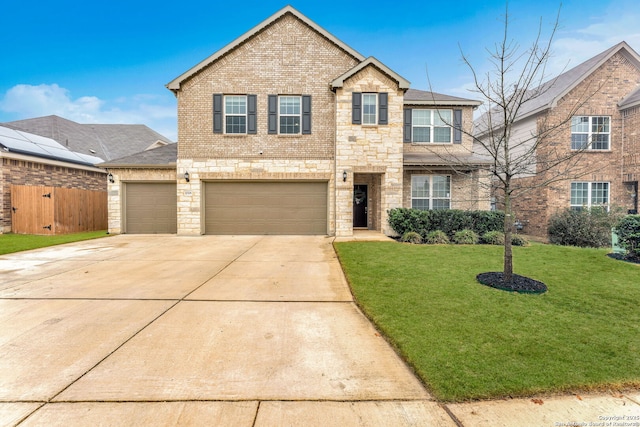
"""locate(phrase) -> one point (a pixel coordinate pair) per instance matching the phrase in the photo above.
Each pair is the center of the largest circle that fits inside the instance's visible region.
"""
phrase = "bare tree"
(522, 160)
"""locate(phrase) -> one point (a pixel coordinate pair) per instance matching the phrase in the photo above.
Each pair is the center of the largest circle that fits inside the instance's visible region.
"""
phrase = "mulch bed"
(518, 283)
(621, 257)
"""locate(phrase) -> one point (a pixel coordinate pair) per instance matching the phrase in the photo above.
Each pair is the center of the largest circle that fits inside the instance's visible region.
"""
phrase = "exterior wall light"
(110, 178)
(186, 176)
(344, 176)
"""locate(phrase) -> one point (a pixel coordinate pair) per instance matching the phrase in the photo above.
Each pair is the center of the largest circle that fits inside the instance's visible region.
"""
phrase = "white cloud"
(31, 101)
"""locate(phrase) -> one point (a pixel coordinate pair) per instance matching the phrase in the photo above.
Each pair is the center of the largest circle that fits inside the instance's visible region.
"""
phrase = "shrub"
(411, 237)
(583, 228)
(466, 237)
(493, 238)
(448, 221)
(628, 230)
(437, 237)
(518, 240)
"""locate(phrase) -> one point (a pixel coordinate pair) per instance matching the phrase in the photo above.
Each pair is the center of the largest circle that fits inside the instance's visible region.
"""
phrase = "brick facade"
(596, 95)
(35, 172)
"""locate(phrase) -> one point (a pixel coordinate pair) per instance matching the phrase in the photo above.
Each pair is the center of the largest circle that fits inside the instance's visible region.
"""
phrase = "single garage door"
(150, 208)
(266, 207)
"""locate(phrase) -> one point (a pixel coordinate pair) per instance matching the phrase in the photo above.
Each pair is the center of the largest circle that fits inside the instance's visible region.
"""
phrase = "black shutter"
(217, 113)
(273, 114)
(457, 126)
(306, 114)
(356, 108)
(252, 111)
(407, 125)
(383, 107)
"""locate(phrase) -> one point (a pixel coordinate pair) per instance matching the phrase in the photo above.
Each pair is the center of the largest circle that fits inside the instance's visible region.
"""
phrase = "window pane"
(600, 124)
(442, 117)
(421, 134)
(290, 124)
(579, 141)
(236, 124)
(579, 193)
(421, 117)
(290, 105)
(419, 186)
(600, 142)
(580, 124)
(441, 186)
(442, 134)
(422, 204)
(599, 193)
(369, 108)
(440, 204)
(235, 105)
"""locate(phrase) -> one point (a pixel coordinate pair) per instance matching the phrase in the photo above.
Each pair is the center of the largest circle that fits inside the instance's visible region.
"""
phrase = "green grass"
(10, 243)
(468, 341)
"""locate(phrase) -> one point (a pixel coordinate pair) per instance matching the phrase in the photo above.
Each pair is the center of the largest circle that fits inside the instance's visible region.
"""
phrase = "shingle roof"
(422, 97)
(548, 93)
(107, 141)
(630, 100)
(15, 141)
(450, 160)
(165, 156)
(402, 82)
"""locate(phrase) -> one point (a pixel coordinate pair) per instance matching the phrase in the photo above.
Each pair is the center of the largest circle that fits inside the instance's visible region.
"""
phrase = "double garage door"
(232, 208)
(265, 207)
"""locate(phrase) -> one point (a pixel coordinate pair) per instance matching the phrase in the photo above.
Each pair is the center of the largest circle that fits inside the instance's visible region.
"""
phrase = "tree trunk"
(507, 273)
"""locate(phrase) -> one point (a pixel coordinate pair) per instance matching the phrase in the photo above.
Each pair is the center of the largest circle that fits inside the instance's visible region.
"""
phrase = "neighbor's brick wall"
(615, 80)
(22, 172)
(115, 190)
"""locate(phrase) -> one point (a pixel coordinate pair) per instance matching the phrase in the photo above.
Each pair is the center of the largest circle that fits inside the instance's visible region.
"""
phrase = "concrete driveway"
(210, 330)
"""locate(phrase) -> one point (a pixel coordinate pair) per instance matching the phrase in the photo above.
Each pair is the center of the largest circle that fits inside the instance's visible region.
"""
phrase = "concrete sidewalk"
(217, 330)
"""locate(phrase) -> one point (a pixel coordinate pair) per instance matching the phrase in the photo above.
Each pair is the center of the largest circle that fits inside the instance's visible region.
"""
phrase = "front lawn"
(469, 341)
(23, 242)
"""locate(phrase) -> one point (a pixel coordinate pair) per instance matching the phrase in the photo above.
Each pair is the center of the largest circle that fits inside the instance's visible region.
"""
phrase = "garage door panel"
(266, 208)
(151, 208)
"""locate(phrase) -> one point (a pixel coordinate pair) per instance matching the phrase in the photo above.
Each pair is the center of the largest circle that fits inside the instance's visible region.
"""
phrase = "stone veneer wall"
(615, 79)
(115, 193)
(373, 149)
(28, 172)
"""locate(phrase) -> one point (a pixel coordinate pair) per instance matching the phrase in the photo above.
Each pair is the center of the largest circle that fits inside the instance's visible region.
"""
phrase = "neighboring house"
(107, 141)
(287, 130)
(606, 89)
(32, 160)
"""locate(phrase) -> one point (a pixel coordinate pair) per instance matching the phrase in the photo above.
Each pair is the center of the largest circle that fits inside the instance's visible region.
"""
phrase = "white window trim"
(590, 134)
(434, 113)
(225, 115)
(590, 195)
(431, 198)
(375, 109)
(299, 115)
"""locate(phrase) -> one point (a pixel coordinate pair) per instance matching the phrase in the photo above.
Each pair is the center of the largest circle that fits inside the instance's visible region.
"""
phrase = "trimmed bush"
(628, 230)
(493, 238)
(448, 221)
(587, 227)
(518, 240)
(411, 237)
(466, 237)
(437, 237)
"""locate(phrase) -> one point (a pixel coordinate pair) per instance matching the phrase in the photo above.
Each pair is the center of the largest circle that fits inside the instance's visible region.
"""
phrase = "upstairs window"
(235, 114)
(431, 192)
(590, 132)
(289, 109)
(369, 108)
(432, 126)
(589, 194)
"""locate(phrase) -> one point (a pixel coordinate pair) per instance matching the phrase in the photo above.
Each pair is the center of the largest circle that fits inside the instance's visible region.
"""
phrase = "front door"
(360, 206)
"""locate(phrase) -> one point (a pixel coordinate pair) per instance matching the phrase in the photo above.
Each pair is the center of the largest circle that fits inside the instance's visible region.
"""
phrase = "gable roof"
(631, 100)
(555, 89)
(107, 141)
(160, 157)
(402, 82)
(423, 97)
(15, 141)
(174, 85)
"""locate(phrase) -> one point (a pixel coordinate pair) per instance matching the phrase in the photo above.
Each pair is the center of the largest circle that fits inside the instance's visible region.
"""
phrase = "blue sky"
(108, 62)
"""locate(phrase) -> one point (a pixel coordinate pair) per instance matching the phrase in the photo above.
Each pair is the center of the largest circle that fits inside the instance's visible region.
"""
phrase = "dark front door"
(360, 206)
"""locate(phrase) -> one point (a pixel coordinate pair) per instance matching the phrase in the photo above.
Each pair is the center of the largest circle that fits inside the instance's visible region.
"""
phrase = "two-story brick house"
(599, 102)
(287, 130)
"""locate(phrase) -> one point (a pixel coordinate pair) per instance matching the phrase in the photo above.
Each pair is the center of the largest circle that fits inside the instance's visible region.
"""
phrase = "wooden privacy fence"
(56, 210)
